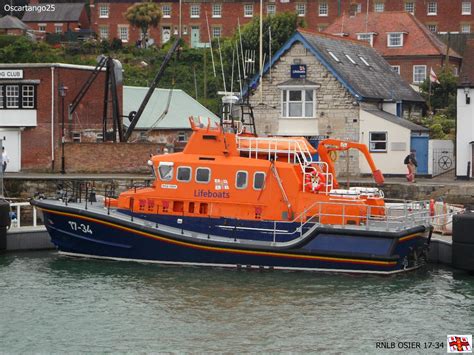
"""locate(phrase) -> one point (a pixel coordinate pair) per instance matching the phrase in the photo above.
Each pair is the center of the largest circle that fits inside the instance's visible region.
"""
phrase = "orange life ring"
(432, 208)
(315, 181)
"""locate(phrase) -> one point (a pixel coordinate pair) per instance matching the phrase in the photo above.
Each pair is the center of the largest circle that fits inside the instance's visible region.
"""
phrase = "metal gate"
(443, 160)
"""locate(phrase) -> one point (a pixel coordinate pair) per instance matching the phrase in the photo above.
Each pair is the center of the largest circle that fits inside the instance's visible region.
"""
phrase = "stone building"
(323, 85)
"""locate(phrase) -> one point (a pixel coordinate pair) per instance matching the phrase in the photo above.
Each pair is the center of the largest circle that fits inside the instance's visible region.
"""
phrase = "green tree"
(443, 94)
(144, 16)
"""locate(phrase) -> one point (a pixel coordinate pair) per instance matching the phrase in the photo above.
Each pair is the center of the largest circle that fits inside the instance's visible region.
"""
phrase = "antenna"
(210, 45)
(222, 65)
(241, 48)
(238, 68)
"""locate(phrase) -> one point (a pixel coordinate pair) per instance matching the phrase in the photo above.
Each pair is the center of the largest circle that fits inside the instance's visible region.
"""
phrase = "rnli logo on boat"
(220, 185)
(459, 344)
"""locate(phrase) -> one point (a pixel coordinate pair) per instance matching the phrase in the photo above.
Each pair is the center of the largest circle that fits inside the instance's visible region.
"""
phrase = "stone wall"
(337, 114)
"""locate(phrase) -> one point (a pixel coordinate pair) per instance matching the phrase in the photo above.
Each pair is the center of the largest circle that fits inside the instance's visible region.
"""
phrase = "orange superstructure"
(222, 175)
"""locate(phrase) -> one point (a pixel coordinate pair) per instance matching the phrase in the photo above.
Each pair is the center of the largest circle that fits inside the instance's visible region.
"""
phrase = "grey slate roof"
(12, 22)
(394, 119)
(62, 13)
(376, 81)
(181, 107)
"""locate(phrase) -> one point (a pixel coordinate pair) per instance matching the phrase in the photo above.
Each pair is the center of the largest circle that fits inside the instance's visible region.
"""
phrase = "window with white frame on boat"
(165, 170)
(378, 141)
(203, 175)
(298, 103)
(184, 173)
(258, 180)
(241, 179)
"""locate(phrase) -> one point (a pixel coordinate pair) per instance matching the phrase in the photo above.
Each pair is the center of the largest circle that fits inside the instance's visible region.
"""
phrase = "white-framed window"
(271, 9)
(358, 8)
(217, 10)
(182, 137)
(259, 180)
(203, 175)
(379, 7)
(28, 96)
(378, 142)
(216, 31)
(301, 9)
(166, 10)
(465, 28)
(367, 37)
(76, 137)
(298, 103)
(455, 71)
(466, 8)
(323, 9)
(42, 27)
(123, 33)
(184, 174)
(396, 69)
(395, 39)
(419, 73)
(241, 179)
(58, 28)
(103, 11)
(410, 7)
(432, 27)
(104, 32)
(12, 95)
(165, 171)
(195, 10)
(432, 8)
(248, 10)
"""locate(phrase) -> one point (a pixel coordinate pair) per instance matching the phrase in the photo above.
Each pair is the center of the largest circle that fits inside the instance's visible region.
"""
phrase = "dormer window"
(367, 37)
(395, 39)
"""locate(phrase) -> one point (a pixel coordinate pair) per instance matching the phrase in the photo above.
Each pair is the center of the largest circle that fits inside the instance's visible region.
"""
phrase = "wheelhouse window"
(419, 73)
(378, 141)
(184, 173)
(241, 180)
(298, 103)
(395, 39)
(203, 175)
(165, 171)
(258, 180)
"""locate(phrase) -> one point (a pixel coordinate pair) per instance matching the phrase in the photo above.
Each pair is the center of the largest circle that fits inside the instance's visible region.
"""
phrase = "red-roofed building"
(402, 40)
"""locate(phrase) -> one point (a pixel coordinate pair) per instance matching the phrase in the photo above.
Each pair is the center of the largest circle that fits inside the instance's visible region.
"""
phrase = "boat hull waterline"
(85, 233)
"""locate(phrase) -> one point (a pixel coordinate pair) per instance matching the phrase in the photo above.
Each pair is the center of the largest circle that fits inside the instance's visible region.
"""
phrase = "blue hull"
(86, 233)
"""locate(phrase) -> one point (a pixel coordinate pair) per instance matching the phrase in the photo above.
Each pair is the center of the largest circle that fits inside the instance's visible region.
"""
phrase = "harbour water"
(54, 304)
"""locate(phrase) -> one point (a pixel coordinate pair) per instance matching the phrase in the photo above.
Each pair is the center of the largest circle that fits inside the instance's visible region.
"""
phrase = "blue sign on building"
(298, 71)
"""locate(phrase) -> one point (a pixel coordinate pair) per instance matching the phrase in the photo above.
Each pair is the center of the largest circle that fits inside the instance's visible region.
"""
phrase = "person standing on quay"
(5, 159)
(412, 164)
